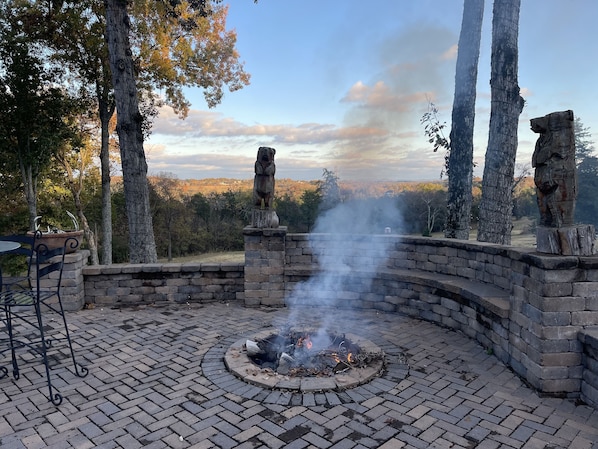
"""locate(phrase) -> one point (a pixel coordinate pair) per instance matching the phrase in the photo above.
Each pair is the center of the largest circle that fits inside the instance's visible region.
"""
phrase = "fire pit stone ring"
(240, 364)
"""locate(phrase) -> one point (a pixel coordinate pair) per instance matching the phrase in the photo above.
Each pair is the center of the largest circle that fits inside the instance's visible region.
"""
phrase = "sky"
(342, 85)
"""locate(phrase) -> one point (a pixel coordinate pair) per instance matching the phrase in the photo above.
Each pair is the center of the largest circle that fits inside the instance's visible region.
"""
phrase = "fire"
(340, 356)
(305, 341)
(337, 358)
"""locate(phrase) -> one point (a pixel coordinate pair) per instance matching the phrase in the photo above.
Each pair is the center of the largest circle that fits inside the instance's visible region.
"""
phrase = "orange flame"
(305, 341)
(308, 343)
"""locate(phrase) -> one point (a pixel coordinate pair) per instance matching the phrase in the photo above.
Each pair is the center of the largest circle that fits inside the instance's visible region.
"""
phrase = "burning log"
(253, 348)
(307, 354)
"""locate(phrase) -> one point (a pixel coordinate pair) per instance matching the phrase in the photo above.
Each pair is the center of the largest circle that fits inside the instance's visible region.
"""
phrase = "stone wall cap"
(92, 270)
(77, 255)
(589, 336)
(131, 268)
(171, 267)
(210, 266)
(232, 266)
(552, 261)
(151, 267)
(250, 230)
(103, 269)
(191, 266)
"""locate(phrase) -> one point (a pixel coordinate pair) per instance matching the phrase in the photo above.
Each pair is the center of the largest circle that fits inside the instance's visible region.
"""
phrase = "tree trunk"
(30, 184)
(496, 206)
(142, 246)
(460, 165)
(105, 115)
(76, 187)
(87, 232)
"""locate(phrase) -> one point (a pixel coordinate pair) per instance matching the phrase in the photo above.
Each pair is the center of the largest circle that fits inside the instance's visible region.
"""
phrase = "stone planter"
(57, 239)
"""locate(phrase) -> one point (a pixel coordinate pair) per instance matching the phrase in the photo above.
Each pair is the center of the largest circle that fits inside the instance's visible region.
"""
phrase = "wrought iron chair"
(25, 313)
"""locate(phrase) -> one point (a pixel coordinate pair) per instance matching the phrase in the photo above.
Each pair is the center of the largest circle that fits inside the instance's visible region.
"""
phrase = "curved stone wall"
(526, 307)
(531, 310)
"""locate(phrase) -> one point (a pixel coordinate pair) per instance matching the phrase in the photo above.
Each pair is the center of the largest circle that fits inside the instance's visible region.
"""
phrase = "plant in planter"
(54, 237)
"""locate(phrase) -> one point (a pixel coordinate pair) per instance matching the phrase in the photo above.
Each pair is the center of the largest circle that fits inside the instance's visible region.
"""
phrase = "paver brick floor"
(157, 380)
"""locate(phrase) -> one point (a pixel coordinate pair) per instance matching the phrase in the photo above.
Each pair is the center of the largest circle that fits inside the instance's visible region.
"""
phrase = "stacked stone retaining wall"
(120, 285)
(535, 306)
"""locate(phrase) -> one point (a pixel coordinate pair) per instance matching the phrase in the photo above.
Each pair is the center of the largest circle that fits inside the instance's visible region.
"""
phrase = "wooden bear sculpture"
(263, 182)
(554, 161)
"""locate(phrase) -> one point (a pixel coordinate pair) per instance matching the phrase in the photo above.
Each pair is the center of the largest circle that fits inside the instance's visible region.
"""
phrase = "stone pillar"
(72, 291)
(264, 266)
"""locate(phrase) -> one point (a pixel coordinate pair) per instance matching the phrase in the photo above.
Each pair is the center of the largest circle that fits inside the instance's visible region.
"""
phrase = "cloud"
(380, 97)
(199, 164)
(203, 124)
(450, 54)
(525, 92)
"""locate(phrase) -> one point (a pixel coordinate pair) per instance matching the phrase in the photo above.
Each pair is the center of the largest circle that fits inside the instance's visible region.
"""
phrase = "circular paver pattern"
(238, 362)
(396, 369)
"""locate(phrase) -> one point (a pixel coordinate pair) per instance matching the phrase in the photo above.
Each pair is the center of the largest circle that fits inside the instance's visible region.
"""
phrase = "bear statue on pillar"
(555, 178)
(263, 215)
(264, 240)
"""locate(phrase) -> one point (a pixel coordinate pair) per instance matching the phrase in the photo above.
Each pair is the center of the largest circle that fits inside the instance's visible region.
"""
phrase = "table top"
(7, 245)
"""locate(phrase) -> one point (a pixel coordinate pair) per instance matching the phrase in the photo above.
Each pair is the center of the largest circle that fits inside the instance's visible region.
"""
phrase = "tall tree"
(168, 208)
(329, 190)
(178, 45)
(72, 34)
(460, 162)
(584, 146)
(496, 207)
(587, 175)
(173, 44)
(77, 35)
(310, 205)
(77, 163)
(33, 110)
(432, 196)
(129, 127)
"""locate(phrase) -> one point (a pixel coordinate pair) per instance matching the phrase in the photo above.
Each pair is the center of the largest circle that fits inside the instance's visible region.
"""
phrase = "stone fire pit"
(241, 365)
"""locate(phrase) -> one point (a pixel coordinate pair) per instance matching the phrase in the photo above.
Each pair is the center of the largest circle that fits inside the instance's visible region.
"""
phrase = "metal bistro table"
(7, 245)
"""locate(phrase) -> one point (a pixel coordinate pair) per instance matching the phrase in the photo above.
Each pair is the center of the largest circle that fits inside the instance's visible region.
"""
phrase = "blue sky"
(343, 84)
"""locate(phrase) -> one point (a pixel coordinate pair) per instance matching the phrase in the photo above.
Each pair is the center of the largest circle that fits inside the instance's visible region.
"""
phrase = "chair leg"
(3, 369)
(12, 344)
(53, 395)
(80, 370)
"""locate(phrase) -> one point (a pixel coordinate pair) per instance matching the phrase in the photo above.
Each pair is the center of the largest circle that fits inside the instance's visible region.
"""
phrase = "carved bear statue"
(263, 182)
(555, 176)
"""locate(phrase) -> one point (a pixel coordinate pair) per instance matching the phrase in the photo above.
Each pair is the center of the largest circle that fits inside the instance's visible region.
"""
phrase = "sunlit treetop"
(185, 43)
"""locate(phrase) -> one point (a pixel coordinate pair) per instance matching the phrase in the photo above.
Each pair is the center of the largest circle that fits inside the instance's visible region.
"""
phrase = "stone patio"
(157, 380)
